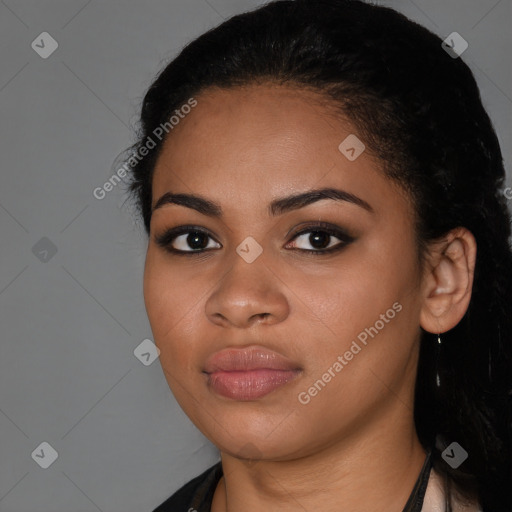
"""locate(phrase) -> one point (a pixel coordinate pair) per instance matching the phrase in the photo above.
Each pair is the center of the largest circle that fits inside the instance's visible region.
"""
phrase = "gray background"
(70, 321)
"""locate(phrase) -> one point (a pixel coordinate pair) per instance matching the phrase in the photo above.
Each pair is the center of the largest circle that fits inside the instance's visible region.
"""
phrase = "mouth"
(248, 373)
(249, 384)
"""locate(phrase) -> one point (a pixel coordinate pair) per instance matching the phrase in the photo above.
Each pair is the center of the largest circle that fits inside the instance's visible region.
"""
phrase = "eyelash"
(167, 237)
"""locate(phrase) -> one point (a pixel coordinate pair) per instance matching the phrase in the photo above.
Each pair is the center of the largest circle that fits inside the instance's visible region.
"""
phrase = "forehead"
(262, 141)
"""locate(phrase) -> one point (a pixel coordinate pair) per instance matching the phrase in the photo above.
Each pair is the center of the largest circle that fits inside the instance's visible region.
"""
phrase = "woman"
(328, 273)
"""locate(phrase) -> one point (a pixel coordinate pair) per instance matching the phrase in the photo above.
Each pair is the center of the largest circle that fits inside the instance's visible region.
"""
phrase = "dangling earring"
(438, 350)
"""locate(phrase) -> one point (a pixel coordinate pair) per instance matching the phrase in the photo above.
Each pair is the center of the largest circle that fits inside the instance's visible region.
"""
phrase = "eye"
(191, 240)
(186, 239)
(323, 238)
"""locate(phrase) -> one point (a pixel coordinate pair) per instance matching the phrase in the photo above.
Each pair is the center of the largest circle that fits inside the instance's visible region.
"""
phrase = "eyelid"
(322, 226)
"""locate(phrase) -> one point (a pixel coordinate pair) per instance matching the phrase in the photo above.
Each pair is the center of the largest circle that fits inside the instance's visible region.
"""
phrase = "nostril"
(262, 315)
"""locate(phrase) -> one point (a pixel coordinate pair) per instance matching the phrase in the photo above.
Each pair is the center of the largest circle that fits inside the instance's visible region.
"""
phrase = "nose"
(249, 293)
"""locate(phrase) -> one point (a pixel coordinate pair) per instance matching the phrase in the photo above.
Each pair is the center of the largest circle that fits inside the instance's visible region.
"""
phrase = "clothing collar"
(415, 501)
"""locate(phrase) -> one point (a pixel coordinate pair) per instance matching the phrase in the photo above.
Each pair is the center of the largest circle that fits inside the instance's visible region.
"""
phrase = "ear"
(448, 280)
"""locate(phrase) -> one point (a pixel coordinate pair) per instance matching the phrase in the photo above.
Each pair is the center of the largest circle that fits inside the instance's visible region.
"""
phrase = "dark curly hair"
(419, 112)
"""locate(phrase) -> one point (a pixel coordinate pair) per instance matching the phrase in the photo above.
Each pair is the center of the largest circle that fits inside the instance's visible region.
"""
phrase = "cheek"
(353, 295)
(172, 301)
(372, 297)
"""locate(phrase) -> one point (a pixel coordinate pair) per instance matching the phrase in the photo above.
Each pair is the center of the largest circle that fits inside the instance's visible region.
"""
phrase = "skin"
(243, 148)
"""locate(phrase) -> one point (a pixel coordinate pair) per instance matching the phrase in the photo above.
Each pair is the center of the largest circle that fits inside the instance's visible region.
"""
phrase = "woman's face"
(344, 322)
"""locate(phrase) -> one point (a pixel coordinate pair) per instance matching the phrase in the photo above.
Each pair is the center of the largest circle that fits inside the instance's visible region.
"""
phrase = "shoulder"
(195, 494)
(436, 499)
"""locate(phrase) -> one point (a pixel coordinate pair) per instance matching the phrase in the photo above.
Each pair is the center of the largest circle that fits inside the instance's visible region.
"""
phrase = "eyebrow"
(276, 207)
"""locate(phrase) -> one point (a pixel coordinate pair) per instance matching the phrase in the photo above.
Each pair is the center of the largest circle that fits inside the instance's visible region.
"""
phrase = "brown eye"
(318, 239)
(186, 239)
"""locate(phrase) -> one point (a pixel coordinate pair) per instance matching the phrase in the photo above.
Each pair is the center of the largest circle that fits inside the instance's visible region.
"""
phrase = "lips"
(244, 359)
(248, 373)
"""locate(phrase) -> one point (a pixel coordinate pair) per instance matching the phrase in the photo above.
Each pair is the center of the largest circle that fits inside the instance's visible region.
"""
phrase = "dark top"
(198, 493)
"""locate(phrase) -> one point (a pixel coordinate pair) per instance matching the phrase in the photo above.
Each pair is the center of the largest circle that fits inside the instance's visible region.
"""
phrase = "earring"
(438, 350)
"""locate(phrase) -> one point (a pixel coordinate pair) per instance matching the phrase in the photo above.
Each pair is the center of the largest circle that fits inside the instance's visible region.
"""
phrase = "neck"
(372, 469)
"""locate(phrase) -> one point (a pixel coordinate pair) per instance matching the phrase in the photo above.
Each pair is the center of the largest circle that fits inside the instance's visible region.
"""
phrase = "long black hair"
(418, 109)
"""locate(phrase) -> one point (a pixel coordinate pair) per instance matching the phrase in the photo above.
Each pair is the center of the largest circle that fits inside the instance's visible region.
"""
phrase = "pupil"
(319, 239)
(197, 240)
